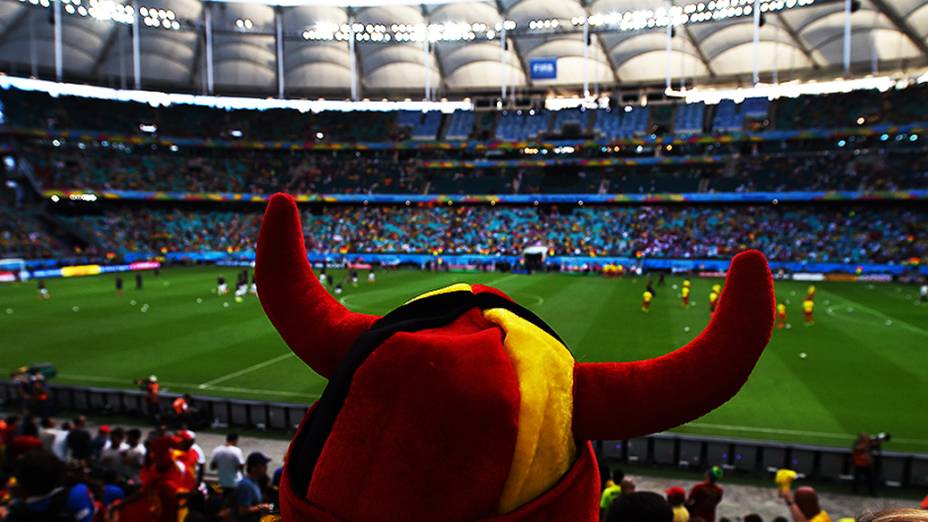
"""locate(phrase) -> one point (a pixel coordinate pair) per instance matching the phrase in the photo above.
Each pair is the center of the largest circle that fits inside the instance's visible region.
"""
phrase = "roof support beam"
(15, 23)
(702, 56)
(902, 25)
(104, 51)
(197, 59)
(794, 36)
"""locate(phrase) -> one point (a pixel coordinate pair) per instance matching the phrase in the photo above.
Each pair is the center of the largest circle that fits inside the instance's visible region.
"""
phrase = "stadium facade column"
(503, 62)
(279, 41)
(354, 58)
(586, 56)
(136, 53)
(57, 20)
(668, 74)
(756, 44)
(848, 8)
(208, 29)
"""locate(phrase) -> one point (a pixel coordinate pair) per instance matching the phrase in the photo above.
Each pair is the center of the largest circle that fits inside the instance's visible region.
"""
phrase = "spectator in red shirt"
(706, 496)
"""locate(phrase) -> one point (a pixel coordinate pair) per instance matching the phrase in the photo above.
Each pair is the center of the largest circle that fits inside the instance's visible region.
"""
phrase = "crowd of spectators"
(23, 236)
(54, 472)
(841, 234)
(621, 501)
(122, 167)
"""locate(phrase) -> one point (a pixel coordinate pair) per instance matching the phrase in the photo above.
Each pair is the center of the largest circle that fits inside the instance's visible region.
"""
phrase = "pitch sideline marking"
(781, 431)
(243, 371)
(233, 389)
(910, 327)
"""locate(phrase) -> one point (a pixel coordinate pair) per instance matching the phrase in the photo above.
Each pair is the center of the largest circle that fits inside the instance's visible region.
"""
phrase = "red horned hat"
(462, 405)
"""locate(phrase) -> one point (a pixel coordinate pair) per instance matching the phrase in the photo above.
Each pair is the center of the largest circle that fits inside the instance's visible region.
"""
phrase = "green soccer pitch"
(864, 366)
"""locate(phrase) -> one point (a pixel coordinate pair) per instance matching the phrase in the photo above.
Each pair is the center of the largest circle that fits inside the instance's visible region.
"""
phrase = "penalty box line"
(243, 371)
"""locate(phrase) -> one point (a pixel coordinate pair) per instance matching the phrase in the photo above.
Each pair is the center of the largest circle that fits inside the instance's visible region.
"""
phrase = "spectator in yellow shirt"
(804, 506)
(676, 496)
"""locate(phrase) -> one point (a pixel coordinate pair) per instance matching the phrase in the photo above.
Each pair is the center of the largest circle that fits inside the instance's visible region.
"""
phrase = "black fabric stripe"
(429, 312)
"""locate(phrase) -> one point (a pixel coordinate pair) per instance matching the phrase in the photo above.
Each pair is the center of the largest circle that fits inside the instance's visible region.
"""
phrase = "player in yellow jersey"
(781, 315)
(810, 293)
(713, 301)
(808, 307)
(685, 295)
(646, 301)
(717, 288)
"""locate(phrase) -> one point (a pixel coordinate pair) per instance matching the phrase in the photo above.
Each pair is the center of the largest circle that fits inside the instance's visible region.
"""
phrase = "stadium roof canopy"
(450, 48)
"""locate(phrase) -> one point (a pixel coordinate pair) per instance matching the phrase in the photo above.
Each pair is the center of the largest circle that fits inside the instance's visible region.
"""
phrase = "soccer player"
(808, 308)
(781, 315)
(685, 294)
(646, 301)
(138, 281)
(254, 286)
(354, 278)
(713, 301)
(43, 291)
(717, 288)
(323, 276)
(372, 277)
(119, 285)
(923, 293)
(241, 287)
(221, 287)
(338, 289)
(810, 293)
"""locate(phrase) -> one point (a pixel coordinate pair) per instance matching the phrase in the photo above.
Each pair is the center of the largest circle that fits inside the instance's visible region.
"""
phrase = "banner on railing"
(513, 199)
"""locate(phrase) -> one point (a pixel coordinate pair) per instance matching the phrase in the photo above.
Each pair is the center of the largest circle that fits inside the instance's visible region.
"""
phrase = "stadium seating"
(460, 125)
(573, 119)
(689, 118)
(847, 234)
(522, 125)
(422, 125)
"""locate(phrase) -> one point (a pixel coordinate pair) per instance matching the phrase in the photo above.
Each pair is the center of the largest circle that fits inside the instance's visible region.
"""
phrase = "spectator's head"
(29, 427)
(232, 439)
(897, 515)
(117, 436)
(644, 506)
(47, 423)
(628, 485)
(134, 436)
(618, 475)
(714, 474)
(753, 517)
(185, 439)
(79, 422)
(66, 426)
(104, 431)
(256, 464)
(38, 473)
(12, 421)
(110, 476)
(676, 496)
(807, 501)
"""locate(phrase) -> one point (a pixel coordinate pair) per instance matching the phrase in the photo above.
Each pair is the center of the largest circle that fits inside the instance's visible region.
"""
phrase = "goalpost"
(12, 270)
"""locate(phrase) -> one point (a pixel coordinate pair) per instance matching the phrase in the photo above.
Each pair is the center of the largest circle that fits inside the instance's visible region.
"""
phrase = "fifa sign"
(543, 68)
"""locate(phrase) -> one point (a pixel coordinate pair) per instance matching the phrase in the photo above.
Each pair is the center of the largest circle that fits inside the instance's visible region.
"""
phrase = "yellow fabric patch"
(545, 447)
(457, 287)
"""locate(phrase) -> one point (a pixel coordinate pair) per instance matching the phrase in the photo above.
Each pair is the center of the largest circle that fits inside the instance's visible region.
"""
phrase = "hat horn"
(630, 399)
(317, 328)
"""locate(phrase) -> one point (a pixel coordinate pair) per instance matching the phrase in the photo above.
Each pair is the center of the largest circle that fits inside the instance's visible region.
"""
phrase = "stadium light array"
(403, 33)
(693, 13)
(111, 11)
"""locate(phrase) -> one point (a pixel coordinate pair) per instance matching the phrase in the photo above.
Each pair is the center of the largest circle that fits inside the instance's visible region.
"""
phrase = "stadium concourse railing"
(743, 457)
